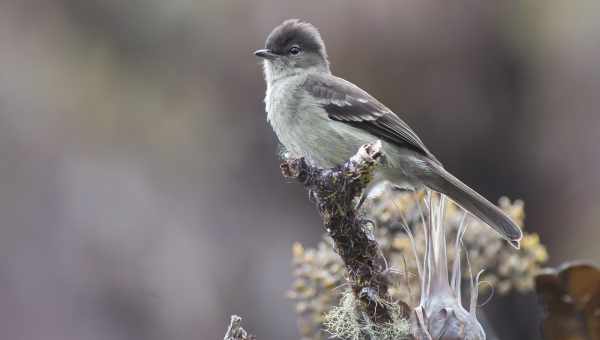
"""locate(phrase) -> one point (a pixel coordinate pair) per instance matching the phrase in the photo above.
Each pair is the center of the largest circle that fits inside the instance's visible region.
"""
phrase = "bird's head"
(291, 48)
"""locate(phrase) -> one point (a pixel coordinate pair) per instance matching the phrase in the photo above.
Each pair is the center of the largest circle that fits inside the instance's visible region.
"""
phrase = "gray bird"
(325, 119)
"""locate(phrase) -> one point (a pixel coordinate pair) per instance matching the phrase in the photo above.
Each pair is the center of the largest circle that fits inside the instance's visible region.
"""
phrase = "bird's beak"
(266, 54)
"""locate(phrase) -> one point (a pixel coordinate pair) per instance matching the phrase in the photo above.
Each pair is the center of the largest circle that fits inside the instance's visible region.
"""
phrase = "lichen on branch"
(235, 330)
(335, 192)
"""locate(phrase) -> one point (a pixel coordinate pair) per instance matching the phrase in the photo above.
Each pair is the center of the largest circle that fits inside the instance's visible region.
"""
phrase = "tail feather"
(442, 181)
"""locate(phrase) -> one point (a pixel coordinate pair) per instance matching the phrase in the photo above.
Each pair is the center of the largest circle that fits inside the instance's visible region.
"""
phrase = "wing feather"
(346, 102)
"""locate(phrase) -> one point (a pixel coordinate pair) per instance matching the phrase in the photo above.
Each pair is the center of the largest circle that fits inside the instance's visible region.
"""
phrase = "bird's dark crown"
(295, 32)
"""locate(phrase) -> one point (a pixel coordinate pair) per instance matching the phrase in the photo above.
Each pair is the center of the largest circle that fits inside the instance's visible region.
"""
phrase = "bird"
(325, 119)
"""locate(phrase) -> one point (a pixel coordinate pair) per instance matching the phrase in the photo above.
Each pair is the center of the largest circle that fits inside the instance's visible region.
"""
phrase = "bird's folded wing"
(346, 102)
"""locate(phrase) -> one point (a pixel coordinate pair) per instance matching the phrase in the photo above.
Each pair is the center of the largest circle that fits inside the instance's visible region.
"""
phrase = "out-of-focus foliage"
(320, 276)
(571, 297)
(319, 281)
(505, 268)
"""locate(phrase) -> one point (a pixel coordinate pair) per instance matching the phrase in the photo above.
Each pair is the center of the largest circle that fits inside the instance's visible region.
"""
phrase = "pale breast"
(303, 128)
(287, 114)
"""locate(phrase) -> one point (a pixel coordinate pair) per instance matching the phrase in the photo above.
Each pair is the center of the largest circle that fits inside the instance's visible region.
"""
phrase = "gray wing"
(346, 102)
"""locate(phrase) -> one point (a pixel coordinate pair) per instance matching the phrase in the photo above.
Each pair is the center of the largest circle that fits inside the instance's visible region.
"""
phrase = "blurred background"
(140, 193)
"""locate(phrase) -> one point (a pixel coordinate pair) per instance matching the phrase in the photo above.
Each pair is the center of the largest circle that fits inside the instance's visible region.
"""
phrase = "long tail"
(442, 181)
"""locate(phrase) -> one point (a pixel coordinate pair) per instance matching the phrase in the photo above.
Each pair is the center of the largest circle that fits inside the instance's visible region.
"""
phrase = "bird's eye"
(295, 50)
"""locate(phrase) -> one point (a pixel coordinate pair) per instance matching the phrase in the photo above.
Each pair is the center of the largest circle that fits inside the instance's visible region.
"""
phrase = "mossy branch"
(335, 191)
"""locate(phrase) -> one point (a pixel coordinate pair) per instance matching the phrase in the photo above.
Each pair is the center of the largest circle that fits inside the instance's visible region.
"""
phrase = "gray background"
(140, 194)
